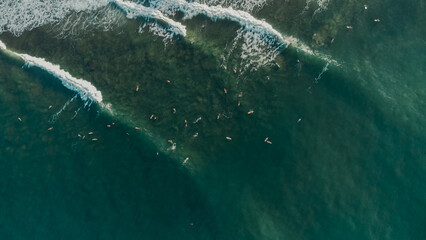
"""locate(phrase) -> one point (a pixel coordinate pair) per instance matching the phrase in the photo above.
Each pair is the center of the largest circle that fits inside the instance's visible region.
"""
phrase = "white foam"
(77, 23)
(260, 40)
(244, 19)
(217, 12)
(17, 16)
(2, 45)
(134, 10)
(85, 89)
(320, 4)
(246, 5)
(255, 52)
(25, 15)
(155, 29)
(87, 92)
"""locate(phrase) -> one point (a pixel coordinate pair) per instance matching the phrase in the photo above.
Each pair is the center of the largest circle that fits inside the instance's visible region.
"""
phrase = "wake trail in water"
(325, 68)
(55, 116)
(87, 92)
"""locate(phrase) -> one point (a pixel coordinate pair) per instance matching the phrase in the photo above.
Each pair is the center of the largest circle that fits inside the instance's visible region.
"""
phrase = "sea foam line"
(87, 92)
(134, 10)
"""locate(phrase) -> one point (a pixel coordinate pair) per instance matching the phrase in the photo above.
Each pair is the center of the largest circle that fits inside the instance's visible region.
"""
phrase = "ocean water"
(212, 119)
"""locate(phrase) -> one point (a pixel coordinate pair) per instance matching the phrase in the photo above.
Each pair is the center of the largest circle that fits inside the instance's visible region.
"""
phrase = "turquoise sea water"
(346, 125)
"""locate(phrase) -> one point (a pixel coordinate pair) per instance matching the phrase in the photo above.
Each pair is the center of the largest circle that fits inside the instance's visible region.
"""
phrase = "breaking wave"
(256, 32)
(260, 43)
(245, 5)
(17, 16)
(157, 30)
(252, 51)
(247, 21)
(134, 10)
(87, 92)
(25, 15)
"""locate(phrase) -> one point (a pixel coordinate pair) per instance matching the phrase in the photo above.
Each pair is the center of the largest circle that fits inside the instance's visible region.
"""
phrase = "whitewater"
(17, 17)
(134, 10)
(87, 92)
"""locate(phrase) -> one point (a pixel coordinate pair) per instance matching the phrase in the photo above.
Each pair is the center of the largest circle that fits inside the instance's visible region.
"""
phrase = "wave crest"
(87, 92)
